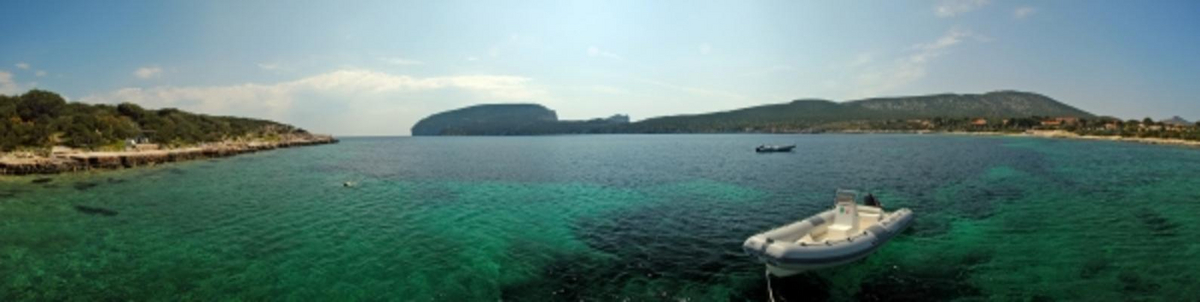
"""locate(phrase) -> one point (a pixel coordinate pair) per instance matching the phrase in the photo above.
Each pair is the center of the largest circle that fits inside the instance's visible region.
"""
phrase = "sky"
(375, 68)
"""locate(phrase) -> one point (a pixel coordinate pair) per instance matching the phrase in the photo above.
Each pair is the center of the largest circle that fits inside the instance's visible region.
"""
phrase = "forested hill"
(40, 119)
(480, 119)
(823, 114)
(1000, 104)
(796, 116)
(508, 119)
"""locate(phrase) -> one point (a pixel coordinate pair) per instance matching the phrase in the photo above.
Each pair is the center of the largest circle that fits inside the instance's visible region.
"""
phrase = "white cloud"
(472, 59)
(400, 61)
(269, 66)
(373, 102)
(514, 43)
(950, 8)
(7, 85)
(911, 67)
(40, 73)
(23, 65)
(700, 91)
(1024, 11)
(769, 70)
(147, 72)
(606, 90)
(705, 49)
(951, 38)
(862, 59)
(597, 52)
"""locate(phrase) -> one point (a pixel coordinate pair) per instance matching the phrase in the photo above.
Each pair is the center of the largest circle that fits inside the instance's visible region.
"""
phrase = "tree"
(133, 111)
(39, 104)
(80, 135)
(38, 119)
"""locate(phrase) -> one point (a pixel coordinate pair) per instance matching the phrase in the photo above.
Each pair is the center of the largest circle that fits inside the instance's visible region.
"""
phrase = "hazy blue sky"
(362, 68)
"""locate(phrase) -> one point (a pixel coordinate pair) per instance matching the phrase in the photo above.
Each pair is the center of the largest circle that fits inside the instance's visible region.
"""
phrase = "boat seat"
(845, 219)
(806, 239)
(870, 216)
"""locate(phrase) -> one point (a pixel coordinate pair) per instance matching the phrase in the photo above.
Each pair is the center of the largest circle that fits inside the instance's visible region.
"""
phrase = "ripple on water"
(610, 218)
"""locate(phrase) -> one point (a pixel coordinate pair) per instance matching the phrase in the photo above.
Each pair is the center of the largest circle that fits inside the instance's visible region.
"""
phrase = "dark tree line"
(39, 119)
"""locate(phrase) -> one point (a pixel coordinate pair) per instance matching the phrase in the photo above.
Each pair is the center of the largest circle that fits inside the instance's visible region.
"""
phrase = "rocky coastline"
(87, 161)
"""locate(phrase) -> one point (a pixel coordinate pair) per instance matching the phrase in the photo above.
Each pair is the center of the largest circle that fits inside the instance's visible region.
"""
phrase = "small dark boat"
(774, 148)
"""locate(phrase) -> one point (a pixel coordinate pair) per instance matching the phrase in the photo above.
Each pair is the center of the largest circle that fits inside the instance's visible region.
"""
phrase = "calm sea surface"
(609, 217)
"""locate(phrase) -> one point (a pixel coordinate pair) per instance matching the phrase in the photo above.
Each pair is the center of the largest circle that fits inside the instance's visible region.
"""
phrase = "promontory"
(42, 133)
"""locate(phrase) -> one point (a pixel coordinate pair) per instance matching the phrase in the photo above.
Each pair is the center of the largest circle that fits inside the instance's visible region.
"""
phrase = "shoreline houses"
(1175, 127)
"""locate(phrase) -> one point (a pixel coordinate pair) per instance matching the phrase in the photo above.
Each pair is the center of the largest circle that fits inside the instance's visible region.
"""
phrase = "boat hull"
(770, 149)
(785, 254)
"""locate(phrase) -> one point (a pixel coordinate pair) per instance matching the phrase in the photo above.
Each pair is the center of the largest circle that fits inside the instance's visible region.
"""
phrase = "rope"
(770, 292)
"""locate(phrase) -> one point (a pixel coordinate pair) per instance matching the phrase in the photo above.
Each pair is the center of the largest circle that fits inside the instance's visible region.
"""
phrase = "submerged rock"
(95, 211)
(1157, 224)
(42, 180)
(84, 186)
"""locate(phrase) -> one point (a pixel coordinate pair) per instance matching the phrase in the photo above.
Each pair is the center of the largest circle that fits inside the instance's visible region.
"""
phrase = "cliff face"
(493, 119)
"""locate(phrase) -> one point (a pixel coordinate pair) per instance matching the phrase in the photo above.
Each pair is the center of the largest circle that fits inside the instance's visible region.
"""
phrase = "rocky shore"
(84, 161)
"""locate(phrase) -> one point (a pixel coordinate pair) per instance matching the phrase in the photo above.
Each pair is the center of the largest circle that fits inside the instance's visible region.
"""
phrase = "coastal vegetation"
(39, 119)
(1098, 126)
(42, 133)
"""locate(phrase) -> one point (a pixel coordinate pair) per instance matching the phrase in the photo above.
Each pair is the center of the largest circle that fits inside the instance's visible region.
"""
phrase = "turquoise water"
(609, 217)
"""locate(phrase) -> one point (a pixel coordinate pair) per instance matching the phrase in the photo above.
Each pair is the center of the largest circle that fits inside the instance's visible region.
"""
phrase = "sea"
(609, 218)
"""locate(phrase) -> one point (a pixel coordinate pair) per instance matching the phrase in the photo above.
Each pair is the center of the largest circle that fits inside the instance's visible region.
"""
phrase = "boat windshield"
(847, 196)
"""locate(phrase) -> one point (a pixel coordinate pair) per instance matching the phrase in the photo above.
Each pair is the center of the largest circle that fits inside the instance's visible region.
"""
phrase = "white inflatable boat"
(848, 232)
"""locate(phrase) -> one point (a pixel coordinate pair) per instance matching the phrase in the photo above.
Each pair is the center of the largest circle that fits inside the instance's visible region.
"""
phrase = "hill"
(809, 115)
(484, 119)
(1176, 121)
(507, 119)
(40, 119)
(823, 114)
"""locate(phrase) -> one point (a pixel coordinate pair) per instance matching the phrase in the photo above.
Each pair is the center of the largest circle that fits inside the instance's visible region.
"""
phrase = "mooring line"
(770, 292)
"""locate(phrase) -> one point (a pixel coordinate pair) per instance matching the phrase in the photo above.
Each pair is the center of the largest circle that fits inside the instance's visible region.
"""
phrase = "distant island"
(1000, 112)
(40, 132)
(509, 119)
